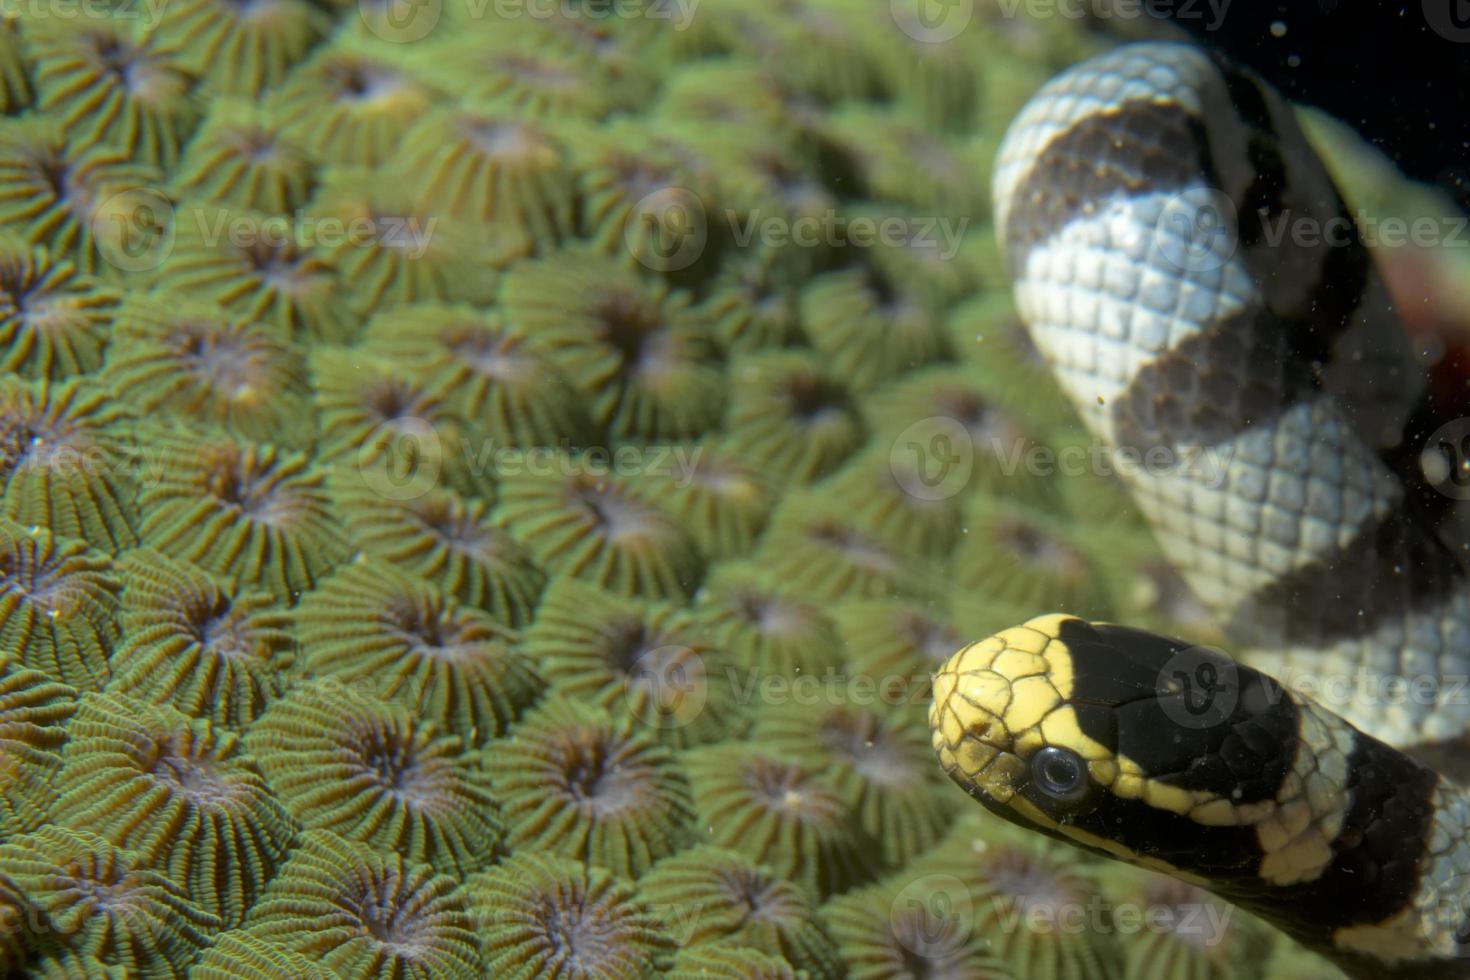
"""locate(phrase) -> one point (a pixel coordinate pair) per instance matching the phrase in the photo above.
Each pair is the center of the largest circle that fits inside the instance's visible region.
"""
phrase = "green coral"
(472, 467)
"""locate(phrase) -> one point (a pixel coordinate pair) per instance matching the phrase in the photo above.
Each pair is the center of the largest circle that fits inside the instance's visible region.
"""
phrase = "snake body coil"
(1188, 270)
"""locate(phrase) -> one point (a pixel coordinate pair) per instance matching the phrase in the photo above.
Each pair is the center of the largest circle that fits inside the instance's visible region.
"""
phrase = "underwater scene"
(494, 488)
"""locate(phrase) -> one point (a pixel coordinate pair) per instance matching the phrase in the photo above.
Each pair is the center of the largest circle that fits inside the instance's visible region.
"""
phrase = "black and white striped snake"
(1140, 199)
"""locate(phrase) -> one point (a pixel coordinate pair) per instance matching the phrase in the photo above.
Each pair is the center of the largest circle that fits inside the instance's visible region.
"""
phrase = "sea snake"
(1188, 270)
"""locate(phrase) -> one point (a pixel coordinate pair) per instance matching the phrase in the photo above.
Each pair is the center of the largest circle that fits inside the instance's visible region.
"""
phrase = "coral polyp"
(491, 64)
(821, 552)
(197, 362)
(392, 248)
(876, 759)
(650, 193)
(58, 605)
(362, 913)
(258, 266)
(249, 512)
(892, 931)
(575, 781)
(494, 164)
(53, 320)
(240, 157)
(898, 643)
(450, 540)
(375, 419)
(894, 156)
(781, 813)
(242, 48)
(1191, 935)
(373, 627)
(943, 411)
(751, 304)
(629, 342)
(147, 926)
(189, 642)
(494, 373)
(343, 761)
(111, 81)
(540, 915)
(54, 185)
(892, 501)
(729, 900)
(350, 103)
(180, 794)
(869, 327)
(34, 710)
(241, 955)
(767, 628)
(1030, 557)
(650, 661)
(1008, 879)
(788, 411)
(62, 463)
(717, 961)
(578, 521)
(721, 497)
(15, 82)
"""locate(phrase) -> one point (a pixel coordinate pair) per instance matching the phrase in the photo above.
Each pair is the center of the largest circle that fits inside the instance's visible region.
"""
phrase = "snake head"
(1117, 740)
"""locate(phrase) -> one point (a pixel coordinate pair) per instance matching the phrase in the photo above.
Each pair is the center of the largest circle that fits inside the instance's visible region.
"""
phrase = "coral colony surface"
(483, 484)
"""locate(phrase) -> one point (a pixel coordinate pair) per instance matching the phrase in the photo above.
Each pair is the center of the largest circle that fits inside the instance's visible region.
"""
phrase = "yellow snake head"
(1123, 742)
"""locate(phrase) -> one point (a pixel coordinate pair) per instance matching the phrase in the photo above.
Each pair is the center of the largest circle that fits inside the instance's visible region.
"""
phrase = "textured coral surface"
(483, 486)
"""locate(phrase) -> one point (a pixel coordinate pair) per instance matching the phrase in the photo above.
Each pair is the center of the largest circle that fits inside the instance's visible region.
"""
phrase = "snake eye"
(1059, 773)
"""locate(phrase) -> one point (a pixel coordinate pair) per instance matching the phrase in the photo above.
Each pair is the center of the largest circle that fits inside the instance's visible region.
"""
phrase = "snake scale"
(1140, 198)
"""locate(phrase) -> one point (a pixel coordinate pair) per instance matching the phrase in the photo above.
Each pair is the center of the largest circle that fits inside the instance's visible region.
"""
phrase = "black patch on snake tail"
(1132, 688)
(1102, 156)
(1393, 567)
(1215, 384)
(1449, 757)
(1263, 199)
(1343, 280)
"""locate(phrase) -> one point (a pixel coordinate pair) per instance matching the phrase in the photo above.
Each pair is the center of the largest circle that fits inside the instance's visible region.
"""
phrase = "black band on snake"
(1141, 199)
